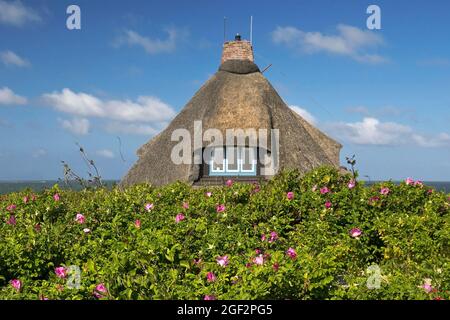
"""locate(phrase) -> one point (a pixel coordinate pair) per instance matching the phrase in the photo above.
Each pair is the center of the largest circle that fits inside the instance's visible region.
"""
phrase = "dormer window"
(233, 161)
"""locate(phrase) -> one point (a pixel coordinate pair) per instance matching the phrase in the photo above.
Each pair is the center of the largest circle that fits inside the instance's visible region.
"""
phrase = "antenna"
(224, 29)
(251, 30)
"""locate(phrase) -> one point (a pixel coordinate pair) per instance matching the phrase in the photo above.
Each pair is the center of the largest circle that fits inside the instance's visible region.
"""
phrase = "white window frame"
(240, 171)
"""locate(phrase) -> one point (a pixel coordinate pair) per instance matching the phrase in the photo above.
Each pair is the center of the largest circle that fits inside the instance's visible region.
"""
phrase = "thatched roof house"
(236, 96)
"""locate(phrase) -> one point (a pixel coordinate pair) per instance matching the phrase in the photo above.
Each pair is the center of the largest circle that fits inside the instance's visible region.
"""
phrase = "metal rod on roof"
(251, 30)
(266, 68)
(224, 29)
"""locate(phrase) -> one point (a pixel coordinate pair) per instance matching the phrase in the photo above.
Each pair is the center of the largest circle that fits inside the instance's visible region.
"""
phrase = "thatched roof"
(237, 96)
(239, 66)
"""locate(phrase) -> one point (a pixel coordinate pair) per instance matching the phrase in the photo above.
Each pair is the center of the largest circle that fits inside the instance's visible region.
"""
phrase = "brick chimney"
(237, 50)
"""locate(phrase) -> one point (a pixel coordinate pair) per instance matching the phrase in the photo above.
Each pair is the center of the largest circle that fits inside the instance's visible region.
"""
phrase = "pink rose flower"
(427, 285)
(11, 207)
(259, 260)
(220, 208)
(328, 205)
(355, 232)
(418, 183)
(179, 217)
(25, 199)
(324, 190)
(11, 220)
(211, 277)
(208, 194)
(16, 284)
(209, 297)
(185, 205)
(137, 223)
(56, 197)
(229, 183)
(100, 291)
(263, 237)
(291, 253)
(273, 236)
(80, 218)
(148, 206)
(351, 184)
(223, 261)
(385, 191)
(61, 272)
(290, 195)
(409, 181)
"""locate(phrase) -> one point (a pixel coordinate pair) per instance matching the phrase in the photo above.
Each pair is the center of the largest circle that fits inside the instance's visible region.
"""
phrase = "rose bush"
(316, 236)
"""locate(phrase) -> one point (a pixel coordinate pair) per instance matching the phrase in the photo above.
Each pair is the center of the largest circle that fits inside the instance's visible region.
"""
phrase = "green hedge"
(291, 238)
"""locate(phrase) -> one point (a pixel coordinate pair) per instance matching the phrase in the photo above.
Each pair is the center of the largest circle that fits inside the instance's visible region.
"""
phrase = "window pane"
(232, 157)
(216, 165)
(248, 156)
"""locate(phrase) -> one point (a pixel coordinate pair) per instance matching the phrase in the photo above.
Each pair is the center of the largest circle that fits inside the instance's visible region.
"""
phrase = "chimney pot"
(237, 50)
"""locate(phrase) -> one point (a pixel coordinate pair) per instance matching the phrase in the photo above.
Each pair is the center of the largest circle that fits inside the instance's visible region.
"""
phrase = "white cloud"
(153, 46)
(9, 58)
(127, 128)
(441, 140)
(39, 153)
(144, 109)
(371, 131)
(374, 132)
(349, 41)
(8, 97)
(14, 13)
(77, 126)
(80, 104)
(105, 153)
(304, 114)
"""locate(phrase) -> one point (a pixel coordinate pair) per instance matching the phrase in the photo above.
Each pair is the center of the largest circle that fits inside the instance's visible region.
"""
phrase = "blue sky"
(384, 94)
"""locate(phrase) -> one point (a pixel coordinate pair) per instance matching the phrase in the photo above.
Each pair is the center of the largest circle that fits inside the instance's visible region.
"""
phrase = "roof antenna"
(224, 29)
(251, 30)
